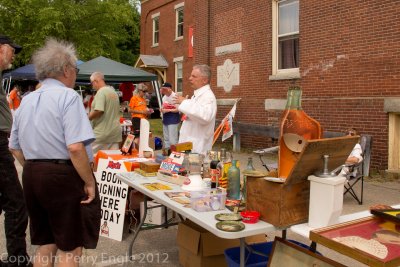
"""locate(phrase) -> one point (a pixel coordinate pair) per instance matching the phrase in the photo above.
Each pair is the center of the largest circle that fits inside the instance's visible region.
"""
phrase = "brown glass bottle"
(294, 121)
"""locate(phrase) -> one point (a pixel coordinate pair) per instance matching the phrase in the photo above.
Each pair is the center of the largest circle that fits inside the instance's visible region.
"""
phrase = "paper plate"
(228, 217)
(230, 226)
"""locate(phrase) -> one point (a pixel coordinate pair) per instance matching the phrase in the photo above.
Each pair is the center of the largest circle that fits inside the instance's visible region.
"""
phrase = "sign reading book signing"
(113, 195)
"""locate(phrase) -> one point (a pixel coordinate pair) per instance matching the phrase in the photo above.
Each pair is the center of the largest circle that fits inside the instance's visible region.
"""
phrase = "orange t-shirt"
(15, 99)
(138, 103)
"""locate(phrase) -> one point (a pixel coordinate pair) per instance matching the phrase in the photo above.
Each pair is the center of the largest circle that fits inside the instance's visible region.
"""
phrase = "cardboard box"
(149, 166)
(200, 248)
(285, 204)
(154, 216)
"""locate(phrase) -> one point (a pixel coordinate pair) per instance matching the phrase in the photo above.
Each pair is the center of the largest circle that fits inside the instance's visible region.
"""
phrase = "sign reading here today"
(113, 195)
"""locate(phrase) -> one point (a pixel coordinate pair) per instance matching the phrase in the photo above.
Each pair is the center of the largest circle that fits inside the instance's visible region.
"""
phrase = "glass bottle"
(234, 181)
(214, 173)
(294, 121)
(223, 167)
(206, 165)
(249, 167)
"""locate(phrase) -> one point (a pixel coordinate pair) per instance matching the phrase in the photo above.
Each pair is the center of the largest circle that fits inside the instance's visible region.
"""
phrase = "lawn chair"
(272, 151)
(362, 170)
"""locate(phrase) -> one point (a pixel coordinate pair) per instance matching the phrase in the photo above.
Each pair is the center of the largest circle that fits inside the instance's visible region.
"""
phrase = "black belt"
(4, 134)
(55, 161)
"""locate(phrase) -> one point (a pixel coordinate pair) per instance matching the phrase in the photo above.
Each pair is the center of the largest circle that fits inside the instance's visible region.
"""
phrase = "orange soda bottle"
(294, 121)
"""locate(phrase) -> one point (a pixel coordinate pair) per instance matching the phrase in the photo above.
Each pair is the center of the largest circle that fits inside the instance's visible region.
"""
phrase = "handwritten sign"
(113, 195)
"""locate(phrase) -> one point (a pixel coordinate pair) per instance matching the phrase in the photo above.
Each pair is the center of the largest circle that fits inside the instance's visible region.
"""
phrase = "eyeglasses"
(76, 70)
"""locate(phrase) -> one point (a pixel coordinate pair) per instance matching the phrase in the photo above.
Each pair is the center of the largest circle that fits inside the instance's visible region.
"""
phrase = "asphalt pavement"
(158, 247)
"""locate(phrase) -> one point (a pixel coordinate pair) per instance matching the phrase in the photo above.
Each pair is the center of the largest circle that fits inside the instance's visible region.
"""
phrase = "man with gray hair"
(51, 138)
(11, 196)
(105, 114)
(199, 111)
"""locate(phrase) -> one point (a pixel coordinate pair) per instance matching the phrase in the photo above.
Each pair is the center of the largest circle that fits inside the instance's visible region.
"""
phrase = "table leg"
(242, 251)
(138, 227)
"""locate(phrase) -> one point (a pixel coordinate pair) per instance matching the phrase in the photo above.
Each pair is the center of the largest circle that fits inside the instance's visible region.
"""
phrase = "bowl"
(250, 216)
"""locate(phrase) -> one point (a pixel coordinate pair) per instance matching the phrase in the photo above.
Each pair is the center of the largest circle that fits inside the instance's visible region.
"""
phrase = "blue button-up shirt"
(48, 120)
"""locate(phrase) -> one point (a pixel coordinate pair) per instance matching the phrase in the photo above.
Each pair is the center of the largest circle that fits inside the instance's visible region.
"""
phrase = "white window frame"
(178, 8)
(178, 78)
(156, 20)
(279, 74)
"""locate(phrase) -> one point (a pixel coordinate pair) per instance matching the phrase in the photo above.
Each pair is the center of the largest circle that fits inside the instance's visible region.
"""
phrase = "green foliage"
(97, 27)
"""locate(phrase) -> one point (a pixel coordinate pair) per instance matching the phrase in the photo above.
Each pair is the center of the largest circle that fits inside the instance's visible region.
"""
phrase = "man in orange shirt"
(14, 98)
(138, 107)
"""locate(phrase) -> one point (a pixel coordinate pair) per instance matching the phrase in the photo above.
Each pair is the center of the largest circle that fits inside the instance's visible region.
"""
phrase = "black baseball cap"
(6, 40)
(166, 85)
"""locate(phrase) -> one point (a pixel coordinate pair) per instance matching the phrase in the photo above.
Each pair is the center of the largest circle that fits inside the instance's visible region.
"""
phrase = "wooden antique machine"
(287, 203)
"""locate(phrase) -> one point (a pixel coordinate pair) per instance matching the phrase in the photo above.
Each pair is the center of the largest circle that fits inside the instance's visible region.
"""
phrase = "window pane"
(178, 76)
(156, 37)
(180, 16)
(288, 17)
(288, 52)
(156, 24)
(180, 30)
(179, 85)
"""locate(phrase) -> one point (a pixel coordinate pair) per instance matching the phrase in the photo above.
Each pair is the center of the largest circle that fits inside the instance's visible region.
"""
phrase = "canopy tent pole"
(156, 87)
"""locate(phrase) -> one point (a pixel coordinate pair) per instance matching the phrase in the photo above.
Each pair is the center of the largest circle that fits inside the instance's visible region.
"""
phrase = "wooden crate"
(285, 204)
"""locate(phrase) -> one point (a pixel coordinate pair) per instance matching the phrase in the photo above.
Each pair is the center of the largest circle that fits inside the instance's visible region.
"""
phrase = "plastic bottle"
(294, 121)
(234, 181)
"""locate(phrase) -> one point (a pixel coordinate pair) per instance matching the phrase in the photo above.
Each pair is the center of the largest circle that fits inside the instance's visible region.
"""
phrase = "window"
(285, 44)
(178, 74)
(179, 23)
(156, 29)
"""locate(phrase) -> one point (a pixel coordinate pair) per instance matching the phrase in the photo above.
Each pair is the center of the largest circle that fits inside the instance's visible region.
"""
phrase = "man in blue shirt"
(51, 137)
(171, 116)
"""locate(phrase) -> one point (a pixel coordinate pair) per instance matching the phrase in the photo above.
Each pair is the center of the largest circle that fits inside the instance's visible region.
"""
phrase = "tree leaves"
(97, 27)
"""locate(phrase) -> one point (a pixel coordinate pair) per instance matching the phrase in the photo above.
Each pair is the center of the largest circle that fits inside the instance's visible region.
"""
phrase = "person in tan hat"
(11, 194)
(138, 107)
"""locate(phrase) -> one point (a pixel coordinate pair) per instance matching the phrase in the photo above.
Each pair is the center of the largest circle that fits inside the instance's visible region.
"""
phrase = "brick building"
(344, 55)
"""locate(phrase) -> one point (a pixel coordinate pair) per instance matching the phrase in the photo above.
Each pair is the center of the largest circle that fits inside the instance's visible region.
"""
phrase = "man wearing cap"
(200, 111)
(11, 195)
(105, 115)
(171, 117)
(138, 107)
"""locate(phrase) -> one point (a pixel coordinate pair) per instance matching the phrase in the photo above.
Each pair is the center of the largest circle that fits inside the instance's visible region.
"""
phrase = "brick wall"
(168, 47)
(349, 62)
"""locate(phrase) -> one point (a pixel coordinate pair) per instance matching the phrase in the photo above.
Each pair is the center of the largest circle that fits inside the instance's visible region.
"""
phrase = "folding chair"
(362, 170)
(272, 151)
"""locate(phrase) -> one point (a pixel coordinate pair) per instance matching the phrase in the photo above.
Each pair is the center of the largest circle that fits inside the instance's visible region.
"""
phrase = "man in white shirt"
(199, 111)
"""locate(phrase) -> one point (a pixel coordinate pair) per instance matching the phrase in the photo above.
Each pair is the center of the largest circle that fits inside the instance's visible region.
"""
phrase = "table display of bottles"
(296, 123)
